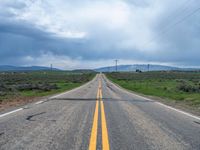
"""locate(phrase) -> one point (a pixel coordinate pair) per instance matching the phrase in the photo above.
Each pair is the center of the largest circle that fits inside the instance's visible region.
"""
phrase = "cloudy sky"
(92, 33)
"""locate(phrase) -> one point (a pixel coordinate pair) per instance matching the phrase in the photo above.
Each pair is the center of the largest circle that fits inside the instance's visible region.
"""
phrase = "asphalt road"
(98, 115)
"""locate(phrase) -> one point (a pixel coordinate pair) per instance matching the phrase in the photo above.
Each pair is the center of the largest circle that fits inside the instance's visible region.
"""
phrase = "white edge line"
(87, 83)
(169, 107)
(5, 114)
(39, 102)
(180, 111)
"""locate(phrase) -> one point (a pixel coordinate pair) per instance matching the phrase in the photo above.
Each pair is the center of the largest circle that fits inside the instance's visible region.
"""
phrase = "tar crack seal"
(30, 118)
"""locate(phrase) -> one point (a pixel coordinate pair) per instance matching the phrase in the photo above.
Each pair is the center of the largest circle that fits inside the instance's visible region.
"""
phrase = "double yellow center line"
(93, 137)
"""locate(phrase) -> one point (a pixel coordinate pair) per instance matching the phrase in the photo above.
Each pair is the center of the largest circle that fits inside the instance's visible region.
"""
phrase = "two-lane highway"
(98, 115)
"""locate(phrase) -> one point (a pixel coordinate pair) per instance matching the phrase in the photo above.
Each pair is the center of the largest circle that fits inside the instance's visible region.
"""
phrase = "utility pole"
(148, 67)
(51, 67)
(116, 61)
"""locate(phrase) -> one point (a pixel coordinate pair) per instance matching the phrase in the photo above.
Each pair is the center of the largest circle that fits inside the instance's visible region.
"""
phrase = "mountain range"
(28, 68)
(122, 68)
(142, 67)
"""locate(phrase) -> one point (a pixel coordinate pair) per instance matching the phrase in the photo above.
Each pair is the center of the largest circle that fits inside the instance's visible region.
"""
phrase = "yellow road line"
(93, 137)
(105, 141)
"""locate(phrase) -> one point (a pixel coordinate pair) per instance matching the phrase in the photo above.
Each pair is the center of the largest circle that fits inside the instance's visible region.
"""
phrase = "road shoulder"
(168, 102)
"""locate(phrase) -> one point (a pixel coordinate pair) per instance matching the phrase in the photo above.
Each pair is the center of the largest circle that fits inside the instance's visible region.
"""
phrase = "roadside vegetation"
(183, 87)
(15, 85)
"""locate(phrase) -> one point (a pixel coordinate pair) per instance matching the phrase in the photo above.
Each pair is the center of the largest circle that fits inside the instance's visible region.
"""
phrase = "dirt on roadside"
(16, 101)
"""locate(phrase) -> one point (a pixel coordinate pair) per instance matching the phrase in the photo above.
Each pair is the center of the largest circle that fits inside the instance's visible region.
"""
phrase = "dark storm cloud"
(22, 39)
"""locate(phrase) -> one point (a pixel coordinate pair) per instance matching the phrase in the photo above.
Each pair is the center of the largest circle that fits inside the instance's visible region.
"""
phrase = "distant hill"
(142, 67)
(83, 71)
(20, 68)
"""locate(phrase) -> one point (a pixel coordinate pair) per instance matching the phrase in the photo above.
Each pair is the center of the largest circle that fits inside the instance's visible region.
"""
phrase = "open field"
(180, 87)
(21, 85)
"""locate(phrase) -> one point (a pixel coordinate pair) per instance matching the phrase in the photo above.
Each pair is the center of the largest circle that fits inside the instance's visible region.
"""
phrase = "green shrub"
(188, 88)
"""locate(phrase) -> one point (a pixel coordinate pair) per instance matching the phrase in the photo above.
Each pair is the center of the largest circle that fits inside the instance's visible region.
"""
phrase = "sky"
(75, 34)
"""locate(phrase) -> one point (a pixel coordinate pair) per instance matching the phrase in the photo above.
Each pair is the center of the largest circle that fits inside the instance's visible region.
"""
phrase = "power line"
(184, 18)
(181, 9)
(173, 25)
(192, 13)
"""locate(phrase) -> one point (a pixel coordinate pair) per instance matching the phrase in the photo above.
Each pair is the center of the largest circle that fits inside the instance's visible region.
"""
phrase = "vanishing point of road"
(98, 115)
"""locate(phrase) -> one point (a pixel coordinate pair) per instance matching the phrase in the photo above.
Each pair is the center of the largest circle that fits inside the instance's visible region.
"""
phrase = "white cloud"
(72, 20)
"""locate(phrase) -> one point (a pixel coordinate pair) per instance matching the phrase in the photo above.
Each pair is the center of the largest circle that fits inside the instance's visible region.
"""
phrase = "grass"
(183, 87)
(61, 88)
(39, 83)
